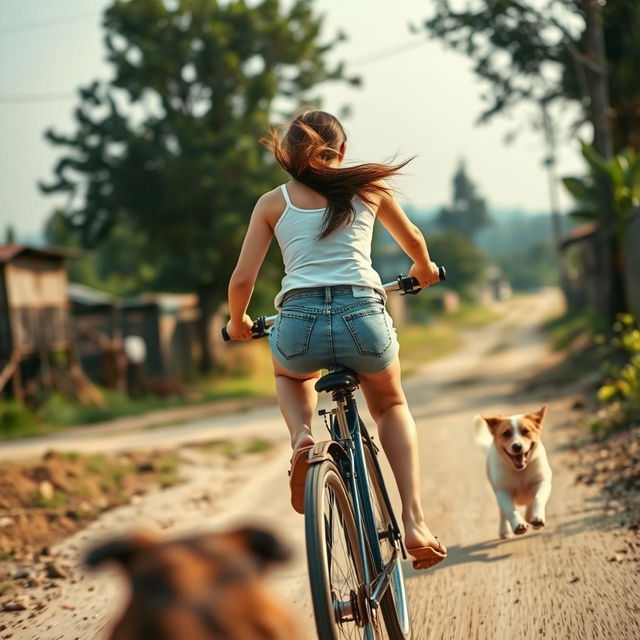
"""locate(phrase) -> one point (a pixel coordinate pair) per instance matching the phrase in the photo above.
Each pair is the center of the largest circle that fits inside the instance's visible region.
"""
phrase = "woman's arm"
(409, 237)
(254, 248)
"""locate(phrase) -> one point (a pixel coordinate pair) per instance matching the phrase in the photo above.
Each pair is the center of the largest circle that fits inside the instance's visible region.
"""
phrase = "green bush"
(620, 394)
(16, 419)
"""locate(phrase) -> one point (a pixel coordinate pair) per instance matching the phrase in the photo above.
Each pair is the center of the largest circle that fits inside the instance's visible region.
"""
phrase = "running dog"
(517, 468)
(205, 587)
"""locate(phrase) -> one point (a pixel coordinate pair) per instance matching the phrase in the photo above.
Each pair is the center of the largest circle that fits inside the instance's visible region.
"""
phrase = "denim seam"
(335, 311)
(329, 316)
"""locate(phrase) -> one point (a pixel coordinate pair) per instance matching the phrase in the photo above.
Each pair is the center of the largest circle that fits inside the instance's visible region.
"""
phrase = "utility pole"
(606, 249)
(597, 78)
(556, 220)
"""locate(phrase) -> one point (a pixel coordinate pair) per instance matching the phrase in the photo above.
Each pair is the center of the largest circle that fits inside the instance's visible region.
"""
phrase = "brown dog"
(205, 587)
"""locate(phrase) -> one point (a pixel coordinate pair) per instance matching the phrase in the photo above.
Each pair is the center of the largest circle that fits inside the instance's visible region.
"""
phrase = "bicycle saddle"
(337, 379)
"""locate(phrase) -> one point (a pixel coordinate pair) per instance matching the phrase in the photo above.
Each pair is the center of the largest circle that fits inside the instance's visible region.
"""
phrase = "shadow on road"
(460, 554)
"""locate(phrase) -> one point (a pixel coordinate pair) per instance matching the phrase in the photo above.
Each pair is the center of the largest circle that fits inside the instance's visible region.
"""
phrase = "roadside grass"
(247, 374)
(564, 329)
(58, 413)
(421, 343)
(472, 316)
(234, 448)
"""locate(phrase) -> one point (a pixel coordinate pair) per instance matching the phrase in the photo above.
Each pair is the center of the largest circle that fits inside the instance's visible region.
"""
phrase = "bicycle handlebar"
(406, 285)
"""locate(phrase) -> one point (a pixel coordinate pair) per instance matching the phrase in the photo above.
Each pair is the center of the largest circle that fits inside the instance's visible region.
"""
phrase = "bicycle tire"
(393, 604)
(328, 513)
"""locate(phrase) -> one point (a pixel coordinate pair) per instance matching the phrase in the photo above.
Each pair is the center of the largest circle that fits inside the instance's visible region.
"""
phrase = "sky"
(417, 99)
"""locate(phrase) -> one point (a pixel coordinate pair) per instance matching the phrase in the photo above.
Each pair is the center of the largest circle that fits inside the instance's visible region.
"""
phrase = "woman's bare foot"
(417, 534)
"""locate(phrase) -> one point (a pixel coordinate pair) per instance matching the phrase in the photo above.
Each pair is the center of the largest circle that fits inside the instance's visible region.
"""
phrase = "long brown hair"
(310, 143)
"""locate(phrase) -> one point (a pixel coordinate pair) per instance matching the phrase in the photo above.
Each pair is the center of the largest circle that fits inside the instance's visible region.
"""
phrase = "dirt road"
(559, 583)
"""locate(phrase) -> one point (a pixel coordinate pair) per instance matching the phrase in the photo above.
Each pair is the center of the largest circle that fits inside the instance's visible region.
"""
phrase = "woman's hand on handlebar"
(240, 330)
(425, 274)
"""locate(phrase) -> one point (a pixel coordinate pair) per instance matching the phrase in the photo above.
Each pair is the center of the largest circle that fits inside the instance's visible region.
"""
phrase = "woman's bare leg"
(297, 398)
(397, 429)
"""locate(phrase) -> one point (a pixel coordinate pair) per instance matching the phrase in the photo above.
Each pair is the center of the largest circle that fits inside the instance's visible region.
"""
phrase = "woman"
(332, 302)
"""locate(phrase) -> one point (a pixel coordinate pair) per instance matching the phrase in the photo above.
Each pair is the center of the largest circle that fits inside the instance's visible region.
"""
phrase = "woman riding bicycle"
(332, 301)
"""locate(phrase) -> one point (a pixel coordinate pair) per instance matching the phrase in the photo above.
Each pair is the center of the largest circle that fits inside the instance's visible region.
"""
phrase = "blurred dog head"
(204, 587)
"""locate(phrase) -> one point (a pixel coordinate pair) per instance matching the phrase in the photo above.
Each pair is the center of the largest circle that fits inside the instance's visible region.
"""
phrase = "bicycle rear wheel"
(393, 605)
(333, 556)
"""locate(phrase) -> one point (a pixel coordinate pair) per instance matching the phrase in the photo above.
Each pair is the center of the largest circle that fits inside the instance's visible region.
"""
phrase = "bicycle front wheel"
(333, 556)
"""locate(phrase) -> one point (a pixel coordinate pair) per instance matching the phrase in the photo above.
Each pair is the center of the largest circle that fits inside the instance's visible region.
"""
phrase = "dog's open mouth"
(519, 460)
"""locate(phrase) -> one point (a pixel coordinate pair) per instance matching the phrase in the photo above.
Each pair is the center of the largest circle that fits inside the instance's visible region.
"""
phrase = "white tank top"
(343, 257)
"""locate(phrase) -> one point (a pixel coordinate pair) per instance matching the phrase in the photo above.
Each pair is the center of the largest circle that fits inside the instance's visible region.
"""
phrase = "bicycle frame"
(347, 429)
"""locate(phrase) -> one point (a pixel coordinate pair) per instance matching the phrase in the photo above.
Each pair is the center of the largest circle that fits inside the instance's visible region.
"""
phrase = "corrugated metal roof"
(10, 251)
(82, 294)
(581, 232)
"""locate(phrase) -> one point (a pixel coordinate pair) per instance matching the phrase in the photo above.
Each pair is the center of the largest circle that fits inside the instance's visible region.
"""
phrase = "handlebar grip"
(225, 336)
(442, 273)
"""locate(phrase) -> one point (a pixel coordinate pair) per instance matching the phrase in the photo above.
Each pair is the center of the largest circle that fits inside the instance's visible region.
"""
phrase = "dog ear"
(121, 550)
(538, 416)
(493, 422)
(264, 545)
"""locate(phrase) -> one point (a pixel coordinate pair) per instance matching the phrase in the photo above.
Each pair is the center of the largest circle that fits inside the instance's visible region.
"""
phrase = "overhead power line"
(388, 53)
(41, 24)
(362, 61)
(20, 98)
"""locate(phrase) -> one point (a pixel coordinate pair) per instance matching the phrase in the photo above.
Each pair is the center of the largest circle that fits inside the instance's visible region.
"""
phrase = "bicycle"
(354, 544)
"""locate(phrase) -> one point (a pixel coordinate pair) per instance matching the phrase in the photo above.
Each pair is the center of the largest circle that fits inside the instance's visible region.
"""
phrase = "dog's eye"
(524, 432)
(507, 434)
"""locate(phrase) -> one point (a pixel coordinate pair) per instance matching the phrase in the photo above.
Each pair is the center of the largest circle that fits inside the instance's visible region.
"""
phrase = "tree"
(542, 52)
(468, 213)
(167, 150)
(466, 264)
(559, 51)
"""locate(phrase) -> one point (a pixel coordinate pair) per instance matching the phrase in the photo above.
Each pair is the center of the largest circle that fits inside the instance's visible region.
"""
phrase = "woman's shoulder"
(271, 205)
(376, 195)
(273, 198)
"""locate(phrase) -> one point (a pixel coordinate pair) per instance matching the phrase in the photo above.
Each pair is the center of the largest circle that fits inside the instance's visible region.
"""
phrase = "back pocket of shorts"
(369, 330)
(294, 332)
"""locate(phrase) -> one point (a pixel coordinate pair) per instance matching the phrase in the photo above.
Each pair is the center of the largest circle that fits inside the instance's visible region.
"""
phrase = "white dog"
(517, 468)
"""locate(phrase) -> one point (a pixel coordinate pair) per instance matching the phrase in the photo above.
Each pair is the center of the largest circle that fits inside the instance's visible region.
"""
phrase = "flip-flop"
(298, 477)
(427, 557)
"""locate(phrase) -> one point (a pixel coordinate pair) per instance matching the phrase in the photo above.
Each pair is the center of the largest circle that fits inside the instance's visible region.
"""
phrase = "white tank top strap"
(285, 193)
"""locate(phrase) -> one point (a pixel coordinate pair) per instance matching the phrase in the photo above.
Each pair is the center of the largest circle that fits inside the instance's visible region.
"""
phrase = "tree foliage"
(468, 212)
(169, 145)
(167, 151)
(466, 264)
(614, 184)
(532, 52)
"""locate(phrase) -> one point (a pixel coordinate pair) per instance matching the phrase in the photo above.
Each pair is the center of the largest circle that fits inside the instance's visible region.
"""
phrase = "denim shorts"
(326, 327)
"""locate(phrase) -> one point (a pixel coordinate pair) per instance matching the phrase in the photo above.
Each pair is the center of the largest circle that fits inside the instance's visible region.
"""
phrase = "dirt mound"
(43, 502)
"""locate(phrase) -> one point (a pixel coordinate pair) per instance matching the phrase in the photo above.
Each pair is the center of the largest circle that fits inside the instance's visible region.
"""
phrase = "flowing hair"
(305, 151)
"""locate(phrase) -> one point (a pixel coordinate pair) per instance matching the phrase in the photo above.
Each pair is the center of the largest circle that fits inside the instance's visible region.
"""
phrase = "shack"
(583, 278)
(35, 332)
(165, 322)
(96, 322)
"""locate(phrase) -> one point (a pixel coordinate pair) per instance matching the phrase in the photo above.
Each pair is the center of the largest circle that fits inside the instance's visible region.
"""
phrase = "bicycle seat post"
(341, 383)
